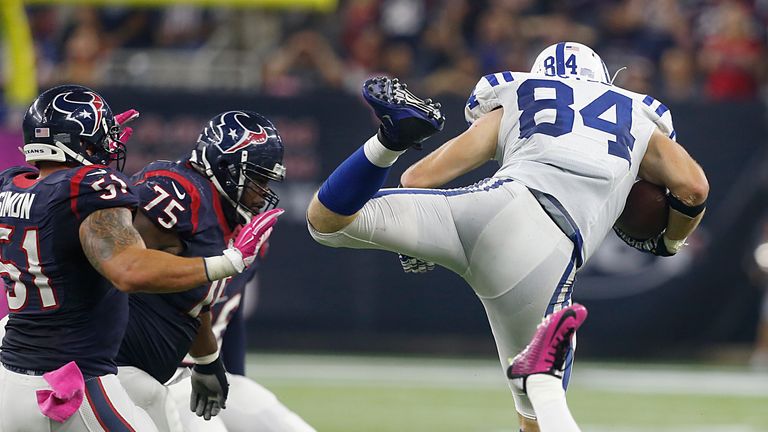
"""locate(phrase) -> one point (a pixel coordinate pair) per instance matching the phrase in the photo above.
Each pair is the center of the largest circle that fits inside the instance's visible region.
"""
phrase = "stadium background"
(301, 64)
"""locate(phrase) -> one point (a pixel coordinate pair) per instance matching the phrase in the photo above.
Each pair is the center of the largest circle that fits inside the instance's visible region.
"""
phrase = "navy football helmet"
(240, 151)
(72, 123)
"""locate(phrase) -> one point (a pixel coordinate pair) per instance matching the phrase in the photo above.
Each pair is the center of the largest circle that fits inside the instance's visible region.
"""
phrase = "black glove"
(209, 389)
(655, 245)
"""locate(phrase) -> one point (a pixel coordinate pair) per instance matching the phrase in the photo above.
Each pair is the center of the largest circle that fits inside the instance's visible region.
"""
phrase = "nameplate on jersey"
(17, 205)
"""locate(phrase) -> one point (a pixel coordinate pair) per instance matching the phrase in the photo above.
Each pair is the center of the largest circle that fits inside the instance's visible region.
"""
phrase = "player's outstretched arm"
(667, 163)
(458, 156)
(117, 251)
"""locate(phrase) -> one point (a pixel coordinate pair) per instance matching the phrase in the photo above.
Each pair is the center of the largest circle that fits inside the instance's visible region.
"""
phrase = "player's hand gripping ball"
(646, 212)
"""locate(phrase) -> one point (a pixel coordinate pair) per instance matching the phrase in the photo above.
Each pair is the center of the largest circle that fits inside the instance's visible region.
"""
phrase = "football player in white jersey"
(569, 144)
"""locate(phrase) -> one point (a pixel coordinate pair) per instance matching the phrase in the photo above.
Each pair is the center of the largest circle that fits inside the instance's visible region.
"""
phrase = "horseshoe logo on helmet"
(86, 113)
(231, 125)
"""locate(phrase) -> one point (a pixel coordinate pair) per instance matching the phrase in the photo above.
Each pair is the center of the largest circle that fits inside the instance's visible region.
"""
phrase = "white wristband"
(674, 246)
(206, 359)
(229, 263)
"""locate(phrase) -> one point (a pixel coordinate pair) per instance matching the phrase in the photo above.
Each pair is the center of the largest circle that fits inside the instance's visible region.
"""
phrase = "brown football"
(646, 211)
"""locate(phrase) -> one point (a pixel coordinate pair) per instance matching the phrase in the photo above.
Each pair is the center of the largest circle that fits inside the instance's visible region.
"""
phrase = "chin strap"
(615, 74)
(203, 163)
(71, 153)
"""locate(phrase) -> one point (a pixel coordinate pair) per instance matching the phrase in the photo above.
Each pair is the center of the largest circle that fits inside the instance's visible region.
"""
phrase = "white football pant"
(493, 234)
(106, 407)
(152, 396)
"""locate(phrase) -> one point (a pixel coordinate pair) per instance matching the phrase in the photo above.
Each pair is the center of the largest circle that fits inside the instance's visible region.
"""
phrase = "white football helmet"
(571, 59)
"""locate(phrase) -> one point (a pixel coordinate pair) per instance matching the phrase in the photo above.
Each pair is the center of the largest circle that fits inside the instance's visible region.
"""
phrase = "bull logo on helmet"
(87, 113)
(231, 125)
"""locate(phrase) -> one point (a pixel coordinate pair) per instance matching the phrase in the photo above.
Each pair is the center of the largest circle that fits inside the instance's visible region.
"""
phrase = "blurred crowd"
(676, 49)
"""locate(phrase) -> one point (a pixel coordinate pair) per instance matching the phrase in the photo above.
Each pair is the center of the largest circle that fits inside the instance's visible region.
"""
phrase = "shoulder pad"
(484, 98)
(96, 187)
(661, 115)
(170, 200)
(16, 170)
(8, 174)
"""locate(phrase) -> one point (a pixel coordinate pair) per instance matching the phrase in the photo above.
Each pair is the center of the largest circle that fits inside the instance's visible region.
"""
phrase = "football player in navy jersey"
(69, 255)
(190, 207)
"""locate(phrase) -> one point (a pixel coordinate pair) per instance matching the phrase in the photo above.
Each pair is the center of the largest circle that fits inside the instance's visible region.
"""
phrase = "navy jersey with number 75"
(61, 308)
(162, 327)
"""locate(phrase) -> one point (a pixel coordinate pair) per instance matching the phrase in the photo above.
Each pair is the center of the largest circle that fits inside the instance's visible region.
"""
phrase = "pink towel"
(68, 387)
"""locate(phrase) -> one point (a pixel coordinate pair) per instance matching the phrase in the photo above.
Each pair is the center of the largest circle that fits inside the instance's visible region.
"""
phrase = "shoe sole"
(391, 91)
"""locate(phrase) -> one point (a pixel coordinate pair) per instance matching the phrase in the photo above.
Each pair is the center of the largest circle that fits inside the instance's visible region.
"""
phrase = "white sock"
(548, 399)
(379, 155)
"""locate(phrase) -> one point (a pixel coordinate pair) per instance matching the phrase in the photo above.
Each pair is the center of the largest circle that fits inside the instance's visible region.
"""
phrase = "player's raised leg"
(406, 121)
(538, 369)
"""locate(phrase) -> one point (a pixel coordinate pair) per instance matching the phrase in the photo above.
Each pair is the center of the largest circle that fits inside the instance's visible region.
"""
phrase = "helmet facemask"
(108, 149)
(116, 149)
(247, 179)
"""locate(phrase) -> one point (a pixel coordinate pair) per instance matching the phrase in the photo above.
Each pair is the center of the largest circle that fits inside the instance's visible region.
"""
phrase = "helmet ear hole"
(229, 170)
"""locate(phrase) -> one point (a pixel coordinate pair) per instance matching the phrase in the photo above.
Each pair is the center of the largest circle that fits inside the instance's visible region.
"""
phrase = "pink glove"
(255, 234)
(126, 116)
(243, 251)
(123, 118)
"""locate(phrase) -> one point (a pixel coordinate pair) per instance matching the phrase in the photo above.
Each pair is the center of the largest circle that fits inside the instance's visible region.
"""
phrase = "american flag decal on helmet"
(42, 133)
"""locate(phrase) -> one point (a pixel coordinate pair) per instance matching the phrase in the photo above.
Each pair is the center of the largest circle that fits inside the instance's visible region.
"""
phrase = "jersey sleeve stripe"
(560, 58)
(673, 135)
(661, 110)
(188, 187)
(472, 102)
(507, 75)
(492, 80)
(649, 100)
(74, 186)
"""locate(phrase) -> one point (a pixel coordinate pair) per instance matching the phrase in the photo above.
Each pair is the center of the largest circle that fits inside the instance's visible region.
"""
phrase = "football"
(646, 211)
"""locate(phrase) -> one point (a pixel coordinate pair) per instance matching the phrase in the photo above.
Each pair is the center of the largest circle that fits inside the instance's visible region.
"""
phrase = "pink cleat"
(549, 346)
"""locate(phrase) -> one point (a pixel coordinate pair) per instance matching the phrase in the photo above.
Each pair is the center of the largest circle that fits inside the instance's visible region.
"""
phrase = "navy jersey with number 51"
(61, 308)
